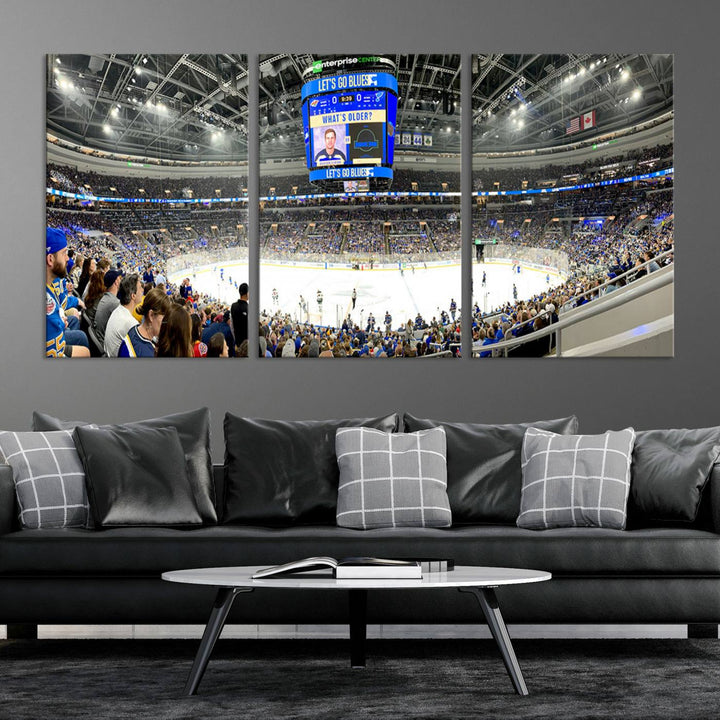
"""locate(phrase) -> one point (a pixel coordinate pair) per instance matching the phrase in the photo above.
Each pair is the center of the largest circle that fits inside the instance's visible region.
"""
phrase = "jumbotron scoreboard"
(349, 118)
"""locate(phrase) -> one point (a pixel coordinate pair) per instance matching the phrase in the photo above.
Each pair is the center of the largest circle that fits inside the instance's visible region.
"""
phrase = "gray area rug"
(403, 679)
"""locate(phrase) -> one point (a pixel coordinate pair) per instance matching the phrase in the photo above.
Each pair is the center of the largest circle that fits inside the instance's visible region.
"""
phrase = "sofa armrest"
(715, 496)
(7, 499)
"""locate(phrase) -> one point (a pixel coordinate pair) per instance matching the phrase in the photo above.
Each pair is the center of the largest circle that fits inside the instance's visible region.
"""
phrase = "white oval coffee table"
(479, 581)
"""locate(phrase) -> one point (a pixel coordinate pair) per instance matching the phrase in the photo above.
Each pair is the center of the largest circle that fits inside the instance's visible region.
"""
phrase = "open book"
(352, 568)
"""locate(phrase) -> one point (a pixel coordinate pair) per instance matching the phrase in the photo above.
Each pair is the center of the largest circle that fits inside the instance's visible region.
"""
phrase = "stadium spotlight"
(138, 71)
(636, 94)
(58, 61)
(521, 123)
(107, 129)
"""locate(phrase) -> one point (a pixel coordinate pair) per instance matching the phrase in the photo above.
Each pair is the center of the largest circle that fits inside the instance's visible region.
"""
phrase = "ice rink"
(427, 290)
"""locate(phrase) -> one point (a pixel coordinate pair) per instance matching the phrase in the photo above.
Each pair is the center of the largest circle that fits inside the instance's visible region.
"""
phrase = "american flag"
(573, 126)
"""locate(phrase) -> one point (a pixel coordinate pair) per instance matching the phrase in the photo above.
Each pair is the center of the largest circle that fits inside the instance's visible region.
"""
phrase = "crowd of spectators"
(281, 337)
(406, 244)
(158, 318)
(625, 225)
(68, 178)
(616, 260)
(65, 177)
(643, 160)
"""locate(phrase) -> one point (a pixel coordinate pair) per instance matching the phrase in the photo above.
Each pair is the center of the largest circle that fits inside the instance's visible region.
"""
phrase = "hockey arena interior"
(360, 245)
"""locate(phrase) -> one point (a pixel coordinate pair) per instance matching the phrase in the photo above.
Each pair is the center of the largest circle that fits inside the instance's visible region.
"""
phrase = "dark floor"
(404, 678)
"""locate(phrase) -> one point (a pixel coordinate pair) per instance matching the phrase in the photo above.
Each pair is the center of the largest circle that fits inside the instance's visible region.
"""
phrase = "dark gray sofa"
(640, 575)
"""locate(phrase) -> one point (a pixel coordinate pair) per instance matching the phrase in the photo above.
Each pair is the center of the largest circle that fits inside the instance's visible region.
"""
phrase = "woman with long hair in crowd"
(95, 290)
(88, 268)
(175, 338)
(140, 341)
(200, 349)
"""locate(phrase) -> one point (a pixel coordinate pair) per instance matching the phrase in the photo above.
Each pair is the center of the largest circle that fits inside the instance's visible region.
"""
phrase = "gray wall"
(602, 392)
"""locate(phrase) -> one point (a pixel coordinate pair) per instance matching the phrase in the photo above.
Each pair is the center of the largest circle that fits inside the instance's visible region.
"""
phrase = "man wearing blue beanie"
(56, 256)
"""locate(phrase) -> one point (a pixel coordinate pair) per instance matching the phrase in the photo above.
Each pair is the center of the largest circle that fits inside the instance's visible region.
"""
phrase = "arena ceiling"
(194, 108)
(527, 101)
(175, 107)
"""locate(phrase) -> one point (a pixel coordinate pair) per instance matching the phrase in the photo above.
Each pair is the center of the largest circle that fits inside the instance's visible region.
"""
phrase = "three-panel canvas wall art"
(568, 245)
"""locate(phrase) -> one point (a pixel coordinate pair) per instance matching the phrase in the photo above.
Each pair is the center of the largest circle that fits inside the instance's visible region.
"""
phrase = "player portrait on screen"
(330, 155)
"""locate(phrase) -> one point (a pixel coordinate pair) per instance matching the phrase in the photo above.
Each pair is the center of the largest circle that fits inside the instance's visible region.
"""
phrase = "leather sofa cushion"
(285, 472)
(136, 476)
(483, 466)
(564, 551)
(193, 428)
(715, 496)
(8, 511)
(670, 469)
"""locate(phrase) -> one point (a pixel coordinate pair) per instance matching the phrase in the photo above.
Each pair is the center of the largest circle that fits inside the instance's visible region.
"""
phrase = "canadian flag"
(587, 120)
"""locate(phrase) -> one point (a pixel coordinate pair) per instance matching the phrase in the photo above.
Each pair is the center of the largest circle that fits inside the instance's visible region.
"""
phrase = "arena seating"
(603, 231)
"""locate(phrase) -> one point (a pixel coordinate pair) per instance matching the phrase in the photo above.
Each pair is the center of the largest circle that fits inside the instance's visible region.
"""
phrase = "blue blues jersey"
(67, 301)
(135, 345)
(54, 323)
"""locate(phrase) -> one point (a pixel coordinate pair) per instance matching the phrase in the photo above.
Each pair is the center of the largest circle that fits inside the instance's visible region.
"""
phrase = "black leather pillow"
(483, 466)
(193, 427)
(136, 476)
(285, 472)
(715, 497)
(669, 471)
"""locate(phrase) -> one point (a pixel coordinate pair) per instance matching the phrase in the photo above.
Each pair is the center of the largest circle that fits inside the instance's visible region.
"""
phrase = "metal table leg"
(488, 603)
(357, 601)
(221, 608)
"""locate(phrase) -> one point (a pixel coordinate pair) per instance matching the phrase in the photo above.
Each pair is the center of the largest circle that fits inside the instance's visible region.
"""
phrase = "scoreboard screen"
(349, 125)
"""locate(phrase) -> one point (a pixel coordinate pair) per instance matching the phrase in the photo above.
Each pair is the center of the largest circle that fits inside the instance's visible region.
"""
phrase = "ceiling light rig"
(513, 91)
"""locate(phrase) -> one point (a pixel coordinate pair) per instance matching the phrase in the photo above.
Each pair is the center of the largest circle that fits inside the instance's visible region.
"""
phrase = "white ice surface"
(427, 291)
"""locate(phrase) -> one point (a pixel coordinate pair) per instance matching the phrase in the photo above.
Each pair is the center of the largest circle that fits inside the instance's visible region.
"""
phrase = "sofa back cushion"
(49, 479)
(670, 470)
(483, 466)
(193, 429)
(136, 476)
(714, 484)
(285, 472)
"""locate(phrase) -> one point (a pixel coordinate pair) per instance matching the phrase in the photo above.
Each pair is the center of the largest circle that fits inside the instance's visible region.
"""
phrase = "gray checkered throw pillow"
(575, 480)
(49, 478)
(392, 479)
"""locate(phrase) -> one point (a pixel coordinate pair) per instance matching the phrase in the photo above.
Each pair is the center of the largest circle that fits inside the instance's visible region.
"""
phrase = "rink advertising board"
(349, 125)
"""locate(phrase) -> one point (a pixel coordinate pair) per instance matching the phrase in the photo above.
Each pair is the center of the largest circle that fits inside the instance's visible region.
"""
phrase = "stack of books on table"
(357, 568)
